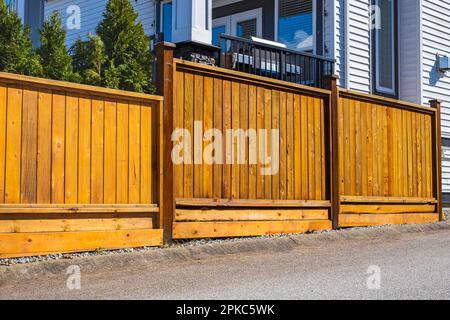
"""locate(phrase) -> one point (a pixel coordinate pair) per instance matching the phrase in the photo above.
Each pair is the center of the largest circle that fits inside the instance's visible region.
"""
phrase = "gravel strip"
(176, 244)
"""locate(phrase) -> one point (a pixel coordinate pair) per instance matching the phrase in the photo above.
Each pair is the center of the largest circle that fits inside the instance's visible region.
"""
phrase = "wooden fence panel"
(205, 100)
(385, 156)
(64, 147)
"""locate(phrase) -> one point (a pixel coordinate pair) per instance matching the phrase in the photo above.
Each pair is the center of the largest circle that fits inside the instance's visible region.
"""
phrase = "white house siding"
(446, 170)
(358, 45)
(91, 15)
(436, 38)
(410, 55)
(334, 36)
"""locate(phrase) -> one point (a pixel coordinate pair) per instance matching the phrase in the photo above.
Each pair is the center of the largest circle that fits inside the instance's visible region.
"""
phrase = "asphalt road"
(412, 266)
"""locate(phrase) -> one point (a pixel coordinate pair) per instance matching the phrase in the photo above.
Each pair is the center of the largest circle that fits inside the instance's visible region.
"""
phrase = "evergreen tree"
(128, 63)
(55, 59)
(16, 49)
(88, 59)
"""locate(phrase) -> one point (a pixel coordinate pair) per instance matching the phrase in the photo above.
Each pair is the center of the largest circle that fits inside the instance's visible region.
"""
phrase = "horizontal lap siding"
(64, 148)
(358, 45)
(223, 104)
(436, 38)
(92, 15)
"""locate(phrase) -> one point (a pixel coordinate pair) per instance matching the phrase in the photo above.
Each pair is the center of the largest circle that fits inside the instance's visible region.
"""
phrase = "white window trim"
(378, 87)
(161, 15)
(314, 22)
(224, 21)
(247, 15)
(230, 22)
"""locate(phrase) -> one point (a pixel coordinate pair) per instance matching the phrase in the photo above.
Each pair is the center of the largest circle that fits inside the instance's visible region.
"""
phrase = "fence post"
(437, 160)
(164, 87)
(333, 138)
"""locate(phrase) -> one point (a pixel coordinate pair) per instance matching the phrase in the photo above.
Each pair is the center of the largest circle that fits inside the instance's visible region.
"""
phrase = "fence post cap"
(331, 76)
(435, 101)
(165, 44)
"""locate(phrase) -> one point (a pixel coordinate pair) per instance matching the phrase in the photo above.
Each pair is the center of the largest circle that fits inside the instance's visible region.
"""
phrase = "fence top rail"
(77, 88)
(255, 79)
(386, 101)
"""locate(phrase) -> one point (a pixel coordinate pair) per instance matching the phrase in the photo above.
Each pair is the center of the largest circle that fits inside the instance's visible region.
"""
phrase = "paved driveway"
(402, 266)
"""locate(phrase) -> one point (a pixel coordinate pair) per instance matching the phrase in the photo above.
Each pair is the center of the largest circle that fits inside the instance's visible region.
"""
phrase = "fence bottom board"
(74, 224)
(387, 208)
(191, 230)
(28, 244)
(231, 214)
(362, 220)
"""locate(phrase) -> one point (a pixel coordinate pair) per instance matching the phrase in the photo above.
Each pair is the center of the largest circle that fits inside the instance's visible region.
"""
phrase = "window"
(243, 24)
(385, 47)
(166, 20)
(295, 26)
(246, 29)
(215, 34)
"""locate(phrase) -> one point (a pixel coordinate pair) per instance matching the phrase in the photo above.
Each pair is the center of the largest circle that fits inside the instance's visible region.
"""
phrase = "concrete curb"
(10, 275)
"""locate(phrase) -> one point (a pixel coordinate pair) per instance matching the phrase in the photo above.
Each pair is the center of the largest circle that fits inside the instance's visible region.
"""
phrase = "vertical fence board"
(189, 126)
(253, 148)
(84, 151)
(235, 151)
(134, 165)
(13, 145)
(275, 144)
(122, 153)
(146, 154)
(197, 135)
(218, 91)
(97, 155)
(283, 150)
(29, 146)
(110, 150)
(243, 124)
(261, 146)
(227, 148)
(44, 147)
(3, 124)
(178, 124)
(58, 147)
(71, 152)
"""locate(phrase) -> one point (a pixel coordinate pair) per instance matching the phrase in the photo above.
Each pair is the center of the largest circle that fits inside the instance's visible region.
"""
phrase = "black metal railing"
(267, 60)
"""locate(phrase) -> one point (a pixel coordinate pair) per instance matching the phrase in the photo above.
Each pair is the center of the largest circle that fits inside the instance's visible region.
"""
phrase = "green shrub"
(16, 49)
(88, 59)
(128, 63)
(55, 59)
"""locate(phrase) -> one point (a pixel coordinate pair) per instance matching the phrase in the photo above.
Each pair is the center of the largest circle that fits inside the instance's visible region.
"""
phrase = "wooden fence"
(388, 161)
(85, 168)
(79, 167)
(346, 159)
(235, 198)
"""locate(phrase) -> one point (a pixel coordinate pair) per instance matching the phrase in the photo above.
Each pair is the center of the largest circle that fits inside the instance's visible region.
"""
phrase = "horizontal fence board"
(362, 199)
(14, 225)
(184, 215)
(23, 244)
(356, 220)
(387, 208)
(184, 230)
(64, 208)
(252, 203)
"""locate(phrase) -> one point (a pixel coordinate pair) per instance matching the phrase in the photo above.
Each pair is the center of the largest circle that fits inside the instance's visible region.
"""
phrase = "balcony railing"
(267, 60)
